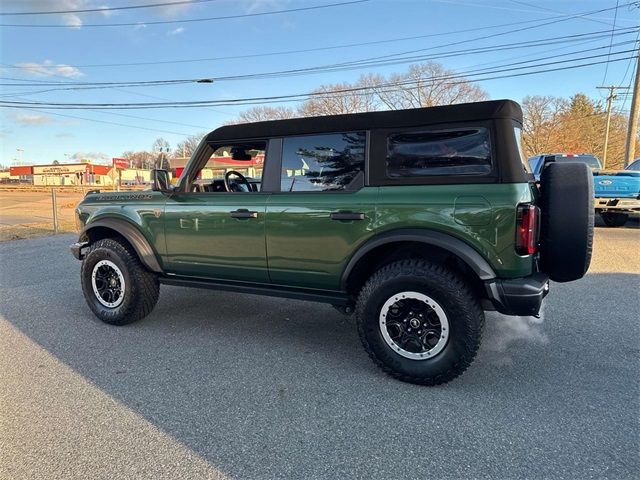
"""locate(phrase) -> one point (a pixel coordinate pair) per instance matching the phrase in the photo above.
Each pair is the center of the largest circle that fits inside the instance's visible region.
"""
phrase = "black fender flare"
(133, 235)
(459, 248)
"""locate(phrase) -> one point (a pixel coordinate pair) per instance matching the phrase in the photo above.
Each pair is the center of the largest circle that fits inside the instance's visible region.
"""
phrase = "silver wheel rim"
(108, 283)
(414, 325)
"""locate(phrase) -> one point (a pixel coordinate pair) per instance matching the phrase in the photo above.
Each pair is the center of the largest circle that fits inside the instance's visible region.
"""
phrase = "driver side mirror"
(160, 179)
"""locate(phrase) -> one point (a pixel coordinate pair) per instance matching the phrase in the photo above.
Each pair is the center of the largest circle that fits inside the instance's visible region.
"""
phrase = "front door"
(215, 230)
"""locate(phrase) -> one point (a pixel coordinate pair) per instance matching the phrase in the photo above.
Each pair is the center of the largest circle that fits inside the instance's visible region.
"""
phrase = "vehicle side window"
(245, 158)
(533, 164)
(465, 151)
(318, 163)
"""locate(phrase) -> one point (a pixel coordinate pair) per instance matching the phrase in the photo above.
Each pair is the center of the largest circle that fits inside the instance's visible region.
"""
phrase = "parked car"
(418, 220)
(617, 192)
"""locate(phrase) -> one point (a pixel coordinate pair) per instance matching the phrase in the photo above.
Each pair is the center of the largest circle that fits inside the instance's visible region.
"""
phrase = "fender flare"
(462, 250)
(133, 235)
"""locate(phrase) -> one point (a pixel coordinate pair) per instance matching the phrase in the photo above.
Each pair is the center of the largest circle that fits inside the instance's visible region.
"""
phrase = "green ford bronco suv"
(416, 220)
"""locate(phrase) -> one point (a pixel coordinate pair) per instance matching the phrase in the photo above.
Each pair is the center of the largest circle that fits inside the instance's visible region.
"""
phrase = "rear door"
(322, 212)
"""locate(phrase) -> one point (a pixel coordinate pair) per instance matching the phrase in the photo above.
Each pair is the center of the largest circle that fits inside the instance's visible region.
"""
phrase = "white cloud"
(176, 31)
(48, 68)
(263, 5)
(90, 156)
(140, 26)
(32, 119)
(105, 12)
(72, 20)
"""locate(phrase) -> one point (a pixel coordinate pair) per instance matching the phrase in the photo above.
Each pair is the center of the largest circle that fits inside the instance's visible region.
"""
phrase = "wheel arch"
(110, 227)
(442, 245)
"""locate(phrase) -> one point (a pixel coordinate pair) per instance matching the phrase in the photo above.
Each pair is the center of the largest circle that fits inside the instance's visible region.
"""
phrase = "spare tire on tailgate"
(566, 230)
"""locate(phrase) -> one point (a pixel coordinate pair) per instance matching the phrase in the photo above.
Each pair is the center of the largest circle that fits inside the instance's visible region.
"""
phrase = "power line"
(553, 10)
(188, 20)
(106, 122)
(363, 63)
(319, 49)
(468, 72)
(110, 9)
(624, 78)
(301, 96)
(615, 17)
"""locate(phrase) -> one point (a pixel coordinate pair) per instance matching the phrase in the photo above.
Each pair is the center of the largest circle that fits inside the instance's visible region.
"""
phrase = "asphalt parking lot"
(221, 385)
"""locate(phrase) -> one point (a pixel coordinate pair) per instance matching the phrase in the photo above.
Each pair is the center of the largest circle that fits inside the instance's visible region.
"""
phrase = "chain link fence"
(27, 212)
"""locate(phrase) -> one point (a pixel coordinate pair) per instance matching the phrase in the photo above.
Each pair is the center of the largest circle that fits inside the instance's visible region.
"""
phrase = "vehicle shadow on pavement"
(263, 387)
(633, 222)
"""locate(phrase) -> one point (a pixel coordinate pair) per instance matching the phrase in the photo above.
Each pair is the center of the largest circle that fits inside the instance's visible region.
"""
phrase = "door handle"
(347, 216)
(243, 214)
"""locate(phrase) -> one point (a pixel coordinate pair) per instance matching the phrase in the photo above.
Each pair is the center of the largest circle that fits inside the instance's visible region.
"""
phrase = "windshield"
(590, 160)
(635, 166)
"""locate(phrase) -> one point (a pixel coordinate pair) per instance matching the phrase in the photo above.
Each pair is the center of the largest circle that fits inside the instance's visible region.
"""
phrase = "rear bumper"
(518, 296)
(629, 205)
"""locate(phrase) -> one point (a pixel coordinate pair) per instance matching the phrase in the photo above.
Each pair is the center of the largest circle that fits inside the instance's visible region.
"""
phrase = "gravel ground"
(221, 385)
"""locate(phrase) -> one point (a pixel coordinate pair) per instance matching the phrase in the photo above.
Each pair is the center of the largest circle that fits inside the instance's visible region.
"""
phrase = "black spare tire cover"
(566, 230)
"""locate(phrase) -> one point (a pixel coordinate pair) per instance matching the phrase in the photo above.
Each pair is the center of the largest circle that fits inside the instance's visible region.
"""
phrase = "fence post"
(54, 202)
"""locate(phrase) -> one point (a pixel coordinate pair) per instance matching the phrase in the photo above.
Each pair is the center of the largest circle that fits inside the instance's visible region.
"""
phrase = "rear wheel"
(117, 287)
(614, 219)
(419, 322)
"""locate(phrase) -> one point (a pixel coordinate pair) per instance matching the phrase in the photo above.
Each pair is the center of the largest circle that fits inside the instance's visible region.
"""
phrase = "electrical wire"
(188, 20)
(317, 49)
(473, 71)
(110, 9)
(615, 18)
(301, 96)
(398, 58)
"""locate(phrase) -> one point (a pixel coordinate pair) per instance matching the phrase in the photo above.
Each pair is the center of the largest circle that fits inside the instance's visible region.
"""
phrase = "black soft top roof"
(462, 112)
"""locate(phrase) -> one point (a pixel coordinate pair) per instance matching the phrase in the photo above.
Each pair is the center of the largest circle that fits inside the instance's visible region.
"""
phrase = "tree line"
(551, 124)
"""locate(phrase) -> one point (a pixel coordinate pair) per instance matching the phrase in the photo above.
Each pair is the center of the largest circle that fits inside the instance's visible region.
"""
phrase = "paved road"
(219, 385)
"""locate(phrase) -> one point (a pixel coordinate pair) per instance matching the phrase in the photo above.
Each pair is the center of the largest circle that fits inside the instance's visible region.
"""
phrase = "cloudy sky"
(165, 43)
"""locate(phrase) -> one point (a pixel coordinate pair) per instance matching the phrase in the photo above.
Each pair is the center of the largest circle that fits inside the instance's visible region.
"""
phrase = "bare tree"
(161, 149)
(186, 147)
(542, 119)
(553, 124)
(141, 159)
(427, 85)
(342, 98)
(262, 113)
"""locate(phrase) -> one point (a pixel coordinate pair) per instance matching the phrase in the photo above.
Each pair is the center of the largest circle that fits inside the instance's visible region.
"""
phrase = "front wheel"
(614, 219)
(116, 286)
(419, 322)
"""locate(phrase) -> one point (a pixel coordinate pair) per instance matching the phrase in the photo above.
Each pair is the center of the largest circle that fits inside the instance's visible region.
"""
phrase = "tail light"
(527, 221)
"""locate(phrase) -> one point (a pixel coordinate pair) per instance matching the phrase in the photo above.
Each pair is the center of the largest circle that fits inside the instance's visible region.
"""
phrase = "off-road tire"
(446, 288)
(566, 229)
(141, 286)
(614, 219)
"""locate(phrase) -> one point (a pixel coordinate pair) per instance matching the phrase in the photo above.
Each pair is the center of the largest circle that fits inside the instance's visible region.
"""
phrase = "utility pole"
(632, 131)
(610, 98)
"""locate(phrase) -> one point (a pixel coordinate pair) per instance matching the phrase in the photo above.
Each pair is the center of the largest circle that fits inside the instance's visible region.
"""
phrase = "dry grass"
(33, 230)
(28, 213)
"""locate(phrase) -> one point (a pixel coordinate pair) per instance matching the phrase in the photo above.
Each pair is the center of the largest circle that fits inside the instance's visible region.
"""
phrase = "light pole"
(20, 152)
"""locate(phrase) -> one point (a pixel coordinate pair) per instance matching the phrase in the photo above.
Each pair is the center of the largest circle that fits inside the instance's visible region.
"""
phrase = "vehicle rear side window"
(465, 151)
(318, 163)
